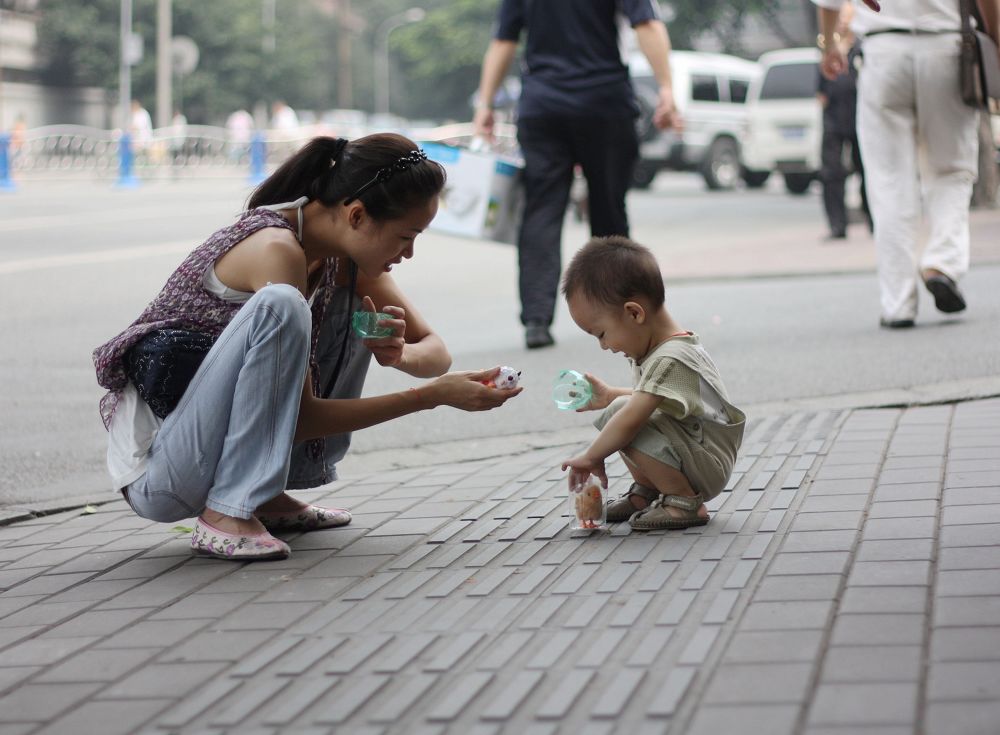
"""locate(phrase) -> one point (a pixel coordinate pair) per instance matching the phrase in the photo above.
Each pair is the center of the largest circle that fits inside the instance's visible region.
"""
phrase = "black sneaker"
(536, 334)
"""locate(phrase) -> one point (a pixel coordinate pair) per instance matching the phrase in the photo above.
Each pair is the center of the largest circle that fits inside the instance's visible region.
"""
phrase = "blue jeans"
(227, 446)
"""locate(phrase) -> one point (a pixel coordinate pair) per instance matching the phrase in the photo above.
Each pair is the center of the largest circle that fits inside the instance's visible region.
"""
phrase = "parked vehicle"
(710, 91)
(784, 120)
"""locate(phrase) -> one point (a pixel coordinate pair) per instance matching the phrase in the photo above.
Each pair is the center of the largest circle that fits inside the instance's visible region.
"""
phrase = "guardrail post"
(6, 184)
(258, 159)
(126, 160)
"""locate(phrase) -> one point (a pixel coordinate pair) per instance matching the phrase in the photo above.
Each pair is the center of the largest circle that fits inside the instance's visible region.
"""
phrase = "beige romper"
(695, 429)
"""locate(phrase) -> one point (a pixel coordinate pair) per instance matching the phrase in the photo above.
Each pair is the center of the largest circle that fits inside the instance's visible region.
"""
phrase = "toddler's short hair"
(613, 270)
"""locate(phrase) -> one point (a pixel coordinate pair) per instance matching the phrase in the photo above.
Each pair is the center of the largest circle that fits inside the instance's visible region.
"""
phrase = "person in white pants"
(918, 141)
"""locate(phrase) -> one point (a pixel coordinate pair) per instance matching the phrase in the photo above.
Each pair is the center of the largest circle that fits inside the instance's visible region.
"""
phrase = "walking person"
(272, 404)
(839, 98)
(577, 106)
(918, 142)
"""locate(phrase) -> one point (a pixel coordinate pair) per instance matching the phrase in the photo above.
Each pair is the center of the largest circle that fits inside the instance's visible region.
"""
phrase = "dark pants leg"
(833, 175)
(859, 169)
(607, 150)
(548, 175)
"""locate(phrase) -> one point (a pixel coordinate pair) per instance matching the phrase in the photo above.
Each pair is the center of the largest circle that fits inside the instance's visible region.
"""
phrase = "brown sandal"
(656, 517)
(621, 508)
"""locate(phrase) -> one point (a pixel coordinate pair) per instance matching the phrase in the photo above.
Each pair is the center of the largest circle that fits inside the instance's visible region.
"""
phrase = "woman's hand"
(581, 466)
(601, 394)
(466, 390)
(388, 351)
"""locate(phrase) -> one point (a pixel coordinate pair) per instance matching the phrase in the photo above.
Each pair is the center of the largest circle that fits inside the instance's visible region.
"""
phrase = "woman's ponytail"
(370, 170)
(304, 174)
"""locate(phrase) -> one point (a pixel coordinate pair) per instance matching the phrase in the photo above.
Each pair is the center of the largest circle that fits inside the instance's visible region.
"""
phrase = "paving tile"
(784, 646)
(457, 697)
(798, 587)
(44, 651)
(884, 600)
(861, 704)
(786, 615)
(912, 491)
(889, 573)
(969, 557)
(896, 550)
(963, 681)
(652, 644)
(960, 582)
(774, 719)
(107, 718)
(976, 718)
(404, 693)
(969, 496)
(815, 541)
(898, 528)
(506, 702)
(960, 515)
(42, 702)
(671, 691)
(566, 695)
(841, 487)
(828, 562)
(983, 534)
(851, 629)
(850, 664)
(97, 666)
(979, 643)
(699, 645)
(833, 503)
(759, 683)
(966, 611)
(828, 521)
(617, 693)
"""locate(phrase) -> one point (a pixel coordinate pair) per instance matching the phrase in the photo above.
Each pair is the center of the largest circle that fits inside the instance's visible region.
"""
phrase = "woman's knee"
(288, 306)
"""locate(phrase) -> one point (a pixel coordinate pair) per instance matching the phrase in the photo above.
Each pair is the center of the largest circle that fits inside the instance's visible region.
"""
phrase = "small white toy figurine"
(507, 378)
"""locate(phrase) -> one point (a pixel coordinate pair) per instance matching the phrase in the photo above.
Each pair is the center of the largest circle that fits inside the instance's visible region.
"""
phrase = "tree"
(80, 41)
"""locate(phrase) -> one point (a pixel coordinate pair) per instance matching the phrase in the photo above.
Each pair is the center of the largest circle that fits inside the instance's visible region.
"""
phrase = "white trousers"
(919, 146)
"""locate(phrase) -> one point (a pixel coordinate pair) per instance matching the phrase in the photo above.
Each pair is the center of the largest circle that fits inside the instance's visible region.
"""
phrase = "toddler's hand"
(581, 466)
(600, 394)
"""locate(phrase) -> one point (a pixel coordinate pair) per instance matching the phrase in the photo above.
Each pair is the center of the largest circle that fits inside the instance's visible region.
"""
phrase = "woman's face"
(384, 244)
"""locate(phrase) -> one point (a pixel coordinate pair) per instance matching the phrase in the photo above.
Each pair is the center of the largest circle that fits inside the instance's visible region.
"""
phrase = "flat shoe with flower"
(207, 540)
(310, 518)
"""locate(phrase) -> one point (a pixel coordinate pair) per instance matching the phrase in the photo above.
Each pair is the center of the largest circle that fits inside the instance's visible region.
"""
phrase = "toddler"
(675, 428)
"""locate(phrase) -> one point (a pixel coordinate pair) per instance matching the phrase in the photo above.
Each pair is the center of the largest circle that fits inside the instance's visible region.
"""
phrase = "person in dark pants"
(577, 107)
(839, 98)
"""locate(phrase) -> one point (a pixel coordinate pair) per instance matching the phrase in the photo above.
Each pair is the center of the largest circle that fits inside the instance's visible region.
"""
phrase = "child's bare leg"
(664, 478)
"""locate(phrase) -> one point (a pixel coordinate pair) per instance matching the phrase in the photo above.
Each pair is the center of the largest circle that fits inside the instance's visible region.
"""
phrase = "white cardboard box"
(483, 197)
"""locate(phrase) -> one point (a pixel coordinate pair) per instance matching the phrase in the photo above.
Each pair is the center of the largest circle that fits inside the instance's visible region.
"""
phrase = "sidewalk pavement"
(848, 583)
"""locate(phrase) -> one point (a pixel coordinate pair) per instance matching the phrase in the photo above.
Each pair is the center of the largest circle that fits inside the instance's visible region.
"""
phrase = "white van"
(710, 91)
(784, 120)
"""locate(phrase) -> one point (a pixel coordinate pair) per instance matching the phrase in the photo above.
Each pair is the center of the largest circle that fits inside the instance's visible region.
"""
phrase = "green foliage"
(81, 44)
(435, 63)
(723, 18)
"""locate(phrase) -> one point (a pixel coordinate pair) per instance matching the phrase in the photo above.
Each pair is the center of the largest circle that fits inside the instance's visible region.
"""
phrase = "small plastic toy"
(589, 510)
(571, 390)
(507, 378)
(365, 324)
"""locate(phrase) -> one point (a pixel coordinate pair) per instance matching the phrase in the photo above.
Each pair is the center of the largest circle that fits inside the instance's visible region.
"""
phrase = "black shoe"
(837, 235)
(896, 323)
(947, 297)
(536, 334)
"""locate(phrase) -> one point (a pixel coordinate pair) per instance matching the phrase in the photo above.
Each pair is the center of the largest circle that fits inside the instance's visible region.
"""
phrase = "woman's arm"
(421, 352)
(463, 390)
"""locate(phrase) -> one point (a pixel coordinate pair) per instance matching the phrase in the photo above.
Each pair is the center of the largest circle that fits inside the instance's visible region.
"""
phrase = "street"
(792, 322)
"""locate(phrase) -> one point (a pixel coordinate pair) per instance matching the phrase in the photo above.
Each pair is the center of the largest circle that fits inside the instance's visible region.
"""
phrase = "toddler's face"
(616, 329)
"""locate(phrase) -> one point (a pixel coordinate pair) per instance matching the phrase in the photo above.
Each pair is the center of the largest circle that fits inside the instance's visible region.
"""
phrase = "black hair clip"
(384, 174)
